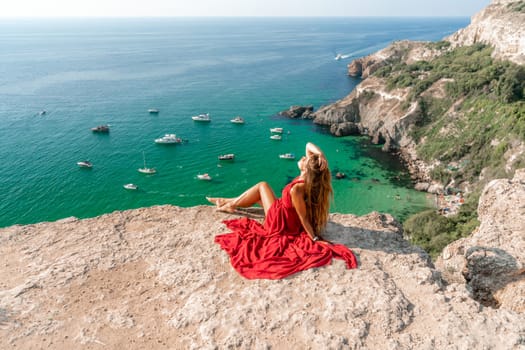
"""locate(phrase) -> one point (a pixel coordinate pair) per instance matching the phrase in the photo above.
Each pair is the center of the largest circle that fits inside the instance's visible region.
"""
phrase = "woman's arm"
(297, 194)
(312, 149)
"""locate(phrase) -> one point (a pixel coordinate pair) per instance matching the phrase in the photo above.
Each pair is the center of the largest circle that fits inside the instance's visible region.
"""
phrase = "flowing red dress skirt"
(279, 247)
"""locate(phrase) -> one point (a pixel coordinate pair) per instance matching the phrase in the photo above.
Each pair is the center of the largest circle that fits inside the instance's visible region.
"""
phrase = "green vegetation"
(433, 232)
(367, 95)
(479, 140)
(439, 45)
(467, 128)
(470, 70)
(518, 6)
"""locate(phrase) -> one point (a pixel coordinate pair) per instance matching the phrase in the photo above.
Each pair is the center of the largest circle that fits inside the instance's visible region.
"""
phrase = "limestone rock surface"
(492, 259)
(153, 278)
(501, 25)
(374, 110)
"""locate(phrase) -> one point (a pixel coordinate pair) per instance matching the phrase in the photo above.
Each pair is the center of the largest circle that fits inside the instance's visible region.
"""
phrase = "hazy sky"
(142, 8)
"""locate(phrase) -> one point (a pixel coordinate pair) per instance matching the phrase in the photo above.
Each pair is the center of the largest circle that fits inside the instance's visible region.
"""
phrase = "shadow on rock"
(488, 270)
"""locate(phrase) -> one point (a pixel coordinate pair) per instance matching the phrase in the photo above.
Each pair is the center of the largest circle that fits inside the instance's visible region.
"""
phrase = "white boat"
(229, 156)
(237, 120)
(287, 156)
(206, 177)
(338, 57)
(168, 139)
(277, 130)
(153, 111)
(276, 137)
(131, 187)
(202, 118)
(85, 164)
(146, 170)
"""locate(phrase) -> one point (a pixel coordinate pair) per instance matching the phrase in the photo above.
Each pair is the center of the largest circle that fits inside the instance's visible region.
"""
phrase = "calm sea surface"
(87, 72)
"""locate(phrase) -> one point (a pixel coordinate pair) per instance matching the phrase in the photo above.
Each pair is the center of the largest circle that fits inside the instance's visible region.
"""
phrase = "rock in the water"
(304, 112)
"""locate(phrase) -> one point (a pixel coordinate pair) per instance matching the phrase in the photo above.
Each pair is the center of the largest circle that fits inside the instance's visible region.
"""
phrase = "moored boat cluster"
(173, 139)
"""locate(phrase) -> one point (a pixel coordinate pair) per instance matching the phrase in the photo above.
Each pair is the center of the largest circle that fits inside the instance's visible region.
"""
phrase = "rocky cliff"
(153, 278)
(404, 50)
(491, 261)
(388, 114)
(374, 109)
(499, 25)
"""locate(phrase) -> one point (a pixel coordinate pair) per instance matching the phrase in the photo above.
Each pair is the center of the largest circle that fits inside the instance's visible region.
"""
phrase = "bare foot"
(217, 200)
(227, 207)
(212, 200)
(223, 204)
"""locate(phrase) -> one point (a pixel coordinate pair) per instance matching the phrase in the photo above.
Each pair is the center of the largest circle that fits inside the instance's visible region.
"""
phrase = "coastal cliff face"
(388, 114)
(499, 25)
(375, 110)
(379, 112)
(404, 50)
(154, 278)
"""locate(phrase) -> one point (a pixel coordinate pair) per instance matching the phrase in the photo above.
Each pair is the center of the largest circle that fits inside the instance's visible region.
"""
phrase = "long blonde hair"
(318, 193)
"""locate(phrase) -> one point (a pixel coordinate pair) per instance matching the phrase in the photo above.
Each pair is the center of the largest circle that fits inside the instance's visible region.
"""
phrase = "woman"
(289, 240)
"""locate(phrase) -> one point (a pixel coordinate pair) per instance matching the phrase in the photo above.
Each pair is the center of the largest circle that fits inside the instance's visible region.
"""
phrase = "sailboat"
(146, 170)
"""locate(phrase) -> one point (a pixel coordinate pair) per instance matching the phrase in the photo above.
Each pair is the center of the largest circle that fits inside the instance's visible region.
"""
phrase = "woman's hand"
(313, 149)
(323, 163)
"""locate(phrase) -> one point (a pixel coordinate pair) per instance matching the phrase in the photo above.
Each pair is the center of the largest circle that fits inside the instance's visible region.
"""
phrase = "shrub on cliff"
(433, 232)
(518, 6)
(511, 84)
(439, 45)
(428, 230)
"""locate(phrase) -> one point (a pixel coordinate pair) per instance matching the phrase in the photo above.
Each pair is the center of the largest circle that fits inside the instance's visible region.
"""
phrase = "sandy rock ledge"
(154, 278)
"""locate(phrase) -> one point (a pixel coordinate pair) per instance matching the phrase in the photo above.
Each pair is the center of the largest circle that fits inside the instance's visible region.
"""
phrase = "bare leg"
(219, 201)
(261, 193)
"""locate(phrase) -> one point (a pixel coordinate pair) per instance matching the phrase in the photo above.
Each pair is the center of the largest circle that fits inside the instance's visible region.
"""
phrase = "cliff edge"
(154, 278)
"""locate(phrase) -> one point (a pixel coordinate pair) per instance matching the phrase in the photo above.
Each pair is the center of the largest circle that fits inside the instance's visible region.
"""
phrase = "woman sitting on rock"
(289, 239)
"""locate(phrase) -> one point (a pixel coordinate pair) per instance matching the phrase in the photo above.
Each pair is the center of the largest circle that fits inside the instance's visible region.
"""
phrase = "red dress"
(279, 247)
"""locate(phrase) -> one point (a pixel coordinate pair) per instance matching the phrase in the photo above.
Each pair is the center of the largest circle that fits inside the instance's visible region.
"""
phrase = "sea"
(61, 77)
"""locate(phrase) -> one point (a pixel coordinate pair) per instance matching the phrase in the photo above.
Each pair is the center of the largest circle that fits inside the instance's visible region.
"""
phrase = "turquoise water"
(87, 72)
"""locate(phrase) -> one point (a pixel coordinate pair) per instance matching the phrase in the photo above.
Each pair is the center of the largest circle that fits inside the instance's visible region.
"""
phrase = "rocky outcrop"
(153, 278)
(303, 112)
(491, 261)
(345, 128)
(404, 50)
(374, 110)
(501, 25)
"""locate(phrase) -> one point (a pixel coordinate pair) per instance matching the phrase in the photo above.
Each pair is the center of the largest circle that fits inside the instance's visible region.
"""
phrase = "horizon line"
(228, 17)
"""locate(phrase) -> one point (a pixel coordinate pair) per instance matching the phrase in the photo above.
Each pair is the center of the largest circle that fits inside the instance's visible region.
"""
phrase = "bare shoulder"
(297, 189)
